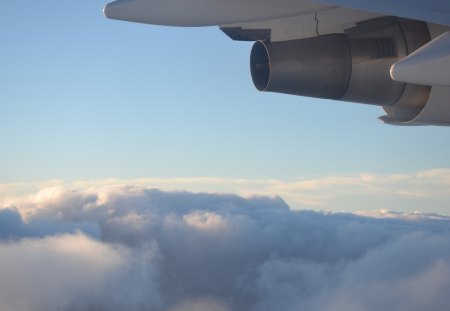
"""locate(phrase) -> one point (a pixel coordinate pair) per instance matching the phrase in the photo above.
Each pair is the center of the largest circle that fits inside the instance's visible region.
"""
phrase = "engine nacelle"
(351, 67)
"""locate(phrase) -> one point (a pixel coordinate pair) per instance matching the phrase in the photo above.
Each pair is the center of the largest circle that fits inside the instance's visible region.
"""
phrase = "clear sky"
(87, 98)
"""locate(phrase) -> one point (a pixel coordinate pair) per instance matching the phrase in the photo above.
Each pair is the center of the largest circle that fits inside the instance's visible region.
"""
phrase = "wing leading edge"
(191, 13)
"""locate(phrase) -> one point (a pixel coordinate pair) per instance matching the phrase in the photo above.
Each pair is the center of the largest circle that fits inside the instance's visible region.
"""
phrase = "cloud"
(336, 192)
(128, 247)
(412, 273)
(13, 226)
(54, 272)
(201, 305)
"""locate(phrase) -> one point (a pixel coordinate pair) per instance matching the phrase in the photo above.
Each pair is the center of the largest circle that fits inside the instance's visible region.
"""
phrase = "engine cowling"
(350, 67)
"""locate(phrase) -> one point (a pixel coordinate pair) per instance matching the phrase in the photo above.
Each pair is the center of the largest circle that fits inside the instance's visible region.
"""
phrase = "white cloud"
(131, 247)
(54, 272)
(206, 221)
(335, 193)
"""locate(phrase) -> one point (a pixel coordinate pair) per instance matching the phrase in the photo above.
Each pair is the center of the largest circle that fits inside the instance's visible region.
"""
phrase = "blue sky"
(86, 98)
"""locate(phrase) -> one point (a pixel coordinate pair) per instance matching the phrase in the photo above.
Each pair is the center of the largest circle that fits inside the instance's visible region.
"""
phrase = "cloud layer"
(421, 190)
(136, 248)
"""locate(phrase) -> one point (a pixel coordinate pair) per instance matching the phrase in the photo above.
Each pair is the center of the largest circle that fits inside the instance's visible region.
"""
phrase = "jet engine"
(353, 66)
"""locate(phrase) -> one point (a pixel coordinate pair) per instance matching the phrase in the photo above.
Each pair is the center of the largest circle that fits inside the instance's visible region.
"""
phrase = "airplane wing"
(390, 53)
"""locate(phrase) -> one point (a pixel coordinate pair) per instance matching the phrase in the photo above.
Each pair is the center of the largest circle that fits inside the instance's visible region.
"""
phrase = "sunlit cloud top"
(425, 191)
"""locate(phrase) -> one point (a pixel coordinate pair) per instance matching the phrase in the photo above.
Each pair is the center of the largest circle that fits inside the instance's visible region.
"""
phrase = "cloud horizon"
(427, 190)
